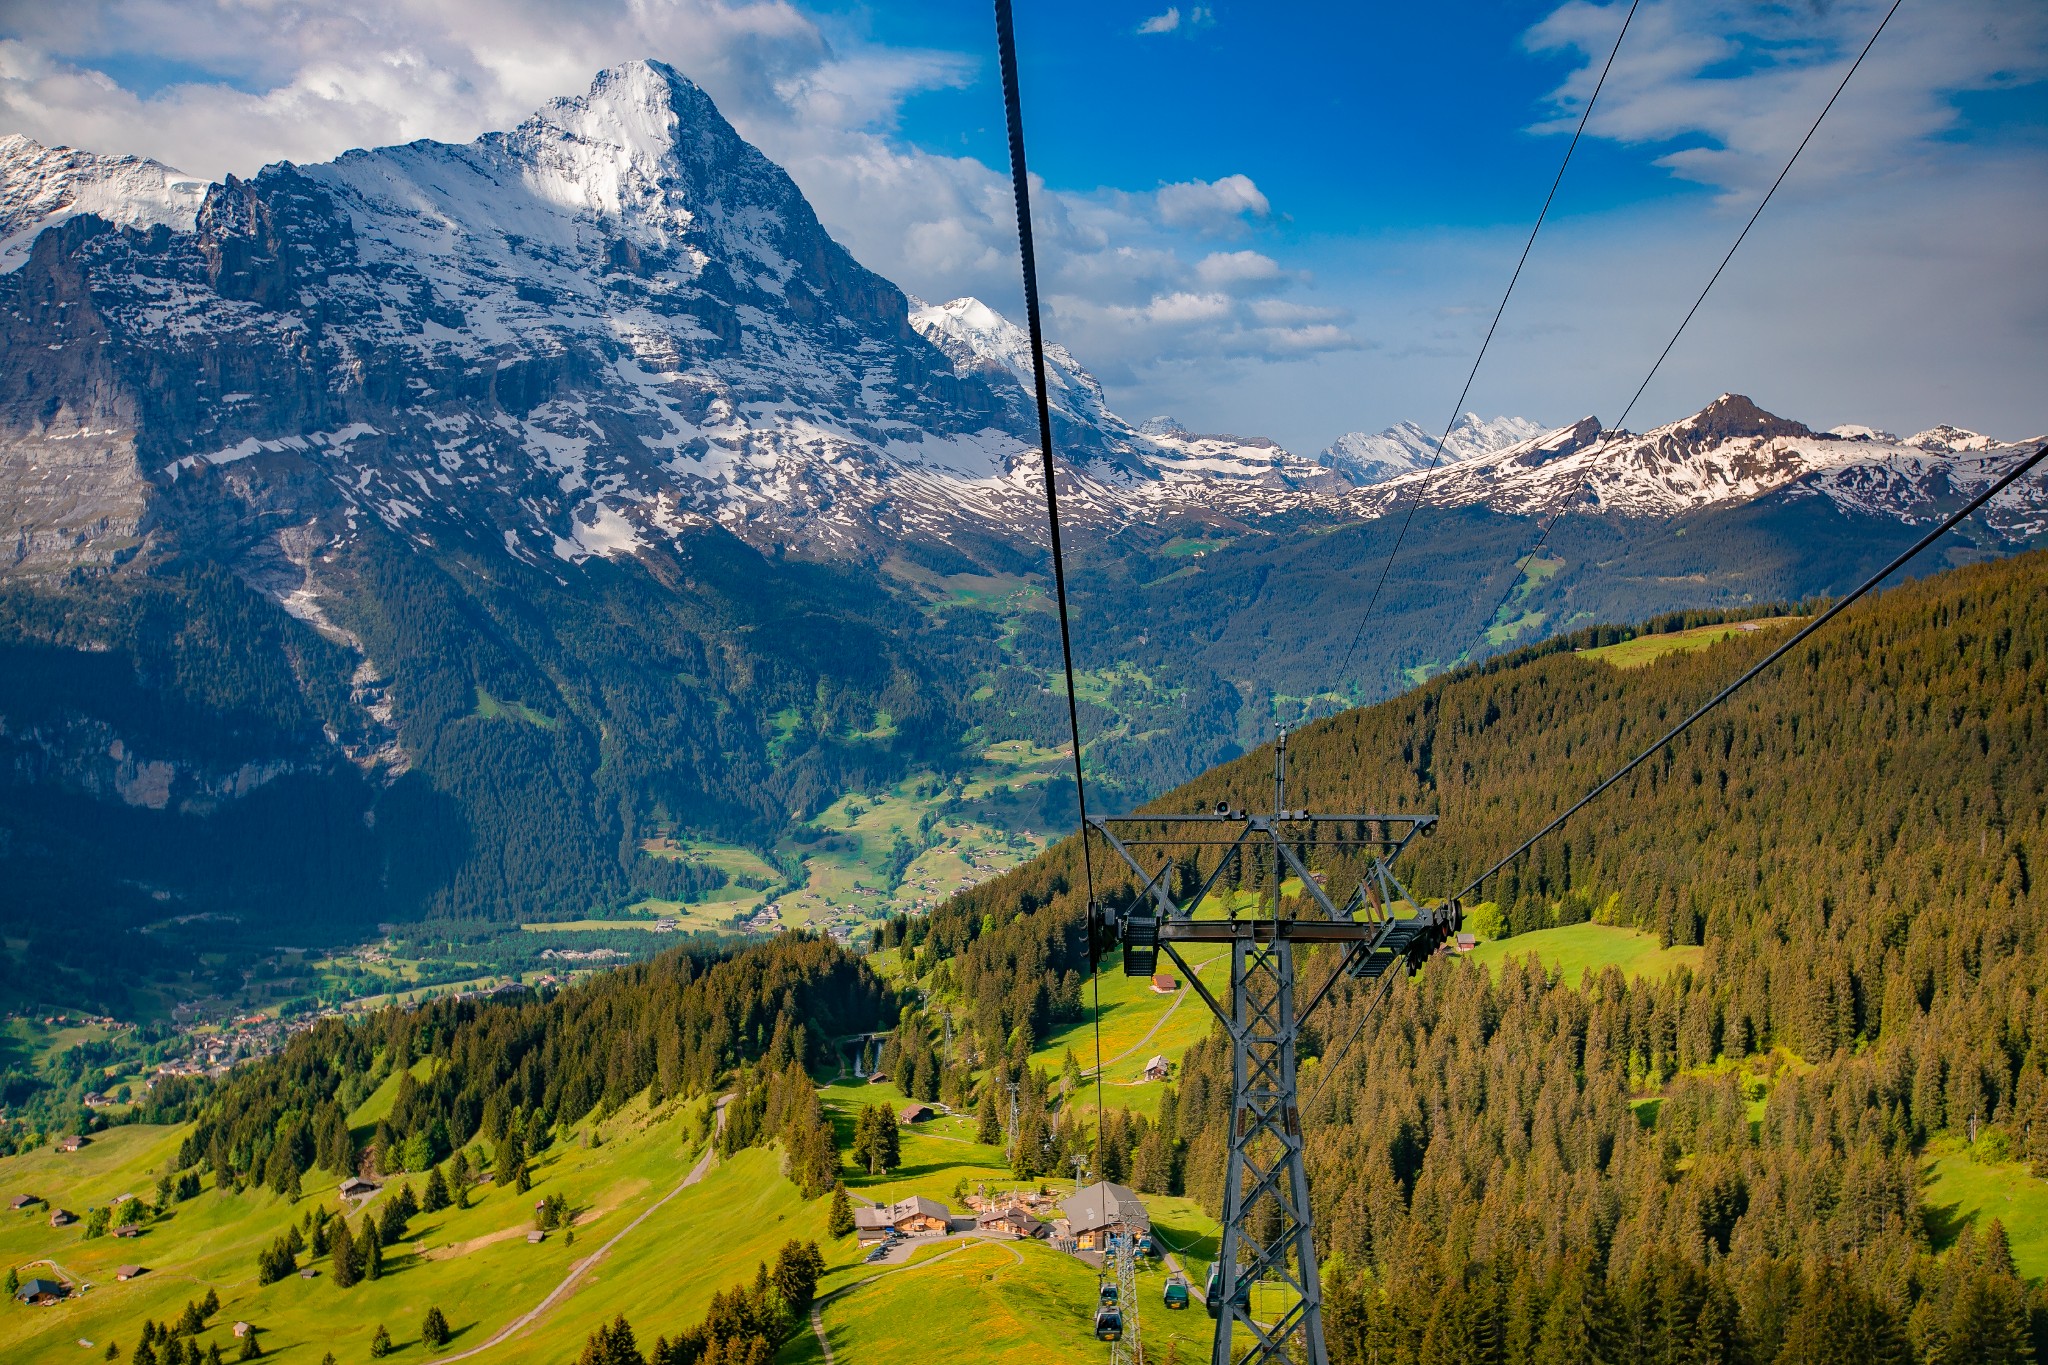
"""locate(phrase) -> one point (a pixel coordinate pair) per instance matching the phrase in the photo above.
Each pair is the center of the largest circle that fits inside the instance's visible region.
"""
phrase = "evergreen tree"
(380, 1342)
(434, 1330)
(839, 1218)
(436, 1196)
(347, 1259)
(988, 1120)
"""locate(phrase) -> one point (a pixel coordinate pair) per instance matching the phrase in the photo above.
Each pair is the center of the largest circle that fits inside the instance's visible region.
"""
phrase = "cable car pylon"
(1268, 1222)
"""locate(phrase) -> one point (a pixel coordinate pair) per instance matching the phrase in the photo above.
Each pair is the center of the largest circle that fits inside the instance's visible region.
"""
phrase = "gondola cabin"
(1176, 1293)
(1109, 1325)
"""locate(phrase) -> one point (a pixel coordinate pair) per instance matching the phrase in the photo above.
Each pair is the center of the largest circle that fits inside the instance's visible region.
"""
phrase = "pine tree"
(988, 1121)
(434, 1329)
(250, 1350)
(347, 1266)
(436, 1196)
(371, 1249)
(839, 1218)
(380, 1342)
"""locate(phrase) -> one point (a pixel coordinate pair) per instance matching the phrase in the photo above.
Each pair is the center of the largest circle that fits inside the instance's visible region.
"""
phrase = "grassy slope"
(1130, 1011)
(1959, 1189)
(1576, 948)
(1642, 650)
(477, 1267)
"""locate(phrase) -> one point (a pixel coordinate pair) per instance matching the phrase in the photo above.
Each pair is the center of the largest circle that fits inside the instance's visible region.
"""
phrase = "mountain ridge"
(572, 484)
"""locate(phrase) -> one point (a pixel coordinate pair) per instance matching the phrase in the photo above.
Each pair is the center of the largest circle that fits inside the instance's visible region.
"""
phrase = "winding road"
(576, 1271)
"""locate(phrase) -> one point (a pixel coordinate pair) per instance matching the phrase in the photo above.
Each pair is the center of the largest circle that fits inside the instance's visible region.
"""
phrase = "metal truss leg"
(1268, 1236)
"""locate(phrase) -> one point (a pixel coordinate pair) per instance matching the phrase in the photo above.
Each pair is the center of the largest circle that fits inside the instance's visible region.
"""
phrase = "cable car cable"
(2005, 481)
(1365, 617)
(1543, 538)
(1013, 110)
(2020, 468)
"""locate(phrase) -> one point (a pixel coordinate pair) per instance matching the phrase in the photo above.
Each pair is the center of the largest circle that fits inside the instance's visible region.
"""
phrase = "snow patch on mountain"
(1374, 457)
(1729, 452)
(42, 186)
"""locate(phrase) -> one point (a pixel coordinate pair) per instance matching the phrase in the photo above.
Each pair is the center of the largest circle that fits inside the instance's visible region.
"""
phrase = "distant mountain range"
(574, 483)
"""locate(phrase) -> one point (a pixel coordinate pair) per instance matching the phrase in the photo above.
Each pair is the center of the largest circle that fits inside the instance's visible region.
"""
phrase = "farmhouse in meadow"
(42, 1293)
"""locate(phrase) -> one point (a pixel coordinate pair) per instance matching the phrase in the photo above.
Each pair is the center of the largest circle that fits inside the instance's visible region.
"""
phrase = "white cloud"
(1240, 268)
(1214, 206)
(1735, 85)
(1162, 23)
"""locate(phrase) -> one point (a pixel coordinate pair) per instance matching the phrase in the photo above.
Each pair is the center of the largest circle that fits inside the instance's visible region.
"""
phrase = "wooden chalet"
(1158, 1069)
(42, 1293)
(1165, 983)
(26, 1201)
(1011, 1222)
(355, 1187)
(129, 1272)
(62, 1218)
(128, 1230)
(916, 1113)
(916, 1216)
(73, 1143)
(1094, 1210)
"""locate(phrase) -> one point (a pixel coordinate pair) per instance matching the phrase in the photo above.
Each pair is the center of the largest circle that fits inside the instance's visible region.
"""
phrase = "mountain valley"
(536, 508)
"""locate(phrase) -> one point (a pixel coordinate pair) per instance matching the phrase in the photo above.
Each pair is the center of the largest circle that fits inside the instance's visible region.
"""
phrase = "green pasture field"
(474, 1264)
(1646, 648)
(1958, 1190)
(1590, 947)
(1137, 1025)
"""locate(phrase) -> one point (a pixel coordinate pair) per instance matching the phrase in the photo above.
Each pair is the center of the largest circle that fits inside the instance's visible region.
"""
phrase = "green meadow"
(1590, 947)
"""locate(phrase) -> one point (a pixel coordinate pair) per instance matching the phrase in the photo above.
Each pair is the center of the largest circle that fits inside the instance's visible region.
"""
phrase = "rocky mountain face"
(574, 483)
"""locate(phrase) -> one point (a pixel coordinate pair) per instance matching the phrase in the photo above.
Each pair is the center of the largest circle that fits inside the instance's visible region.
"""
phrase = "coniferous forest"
(1715, 1165)
(1718, 1164)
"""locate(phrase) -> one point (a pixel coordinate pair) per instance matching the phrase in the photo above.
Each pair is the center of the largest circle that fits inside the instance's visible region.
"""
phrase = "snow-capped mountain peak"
(1954, 440)
(42, 186)
(979, 340)
(1731, 451)
(1374, 457)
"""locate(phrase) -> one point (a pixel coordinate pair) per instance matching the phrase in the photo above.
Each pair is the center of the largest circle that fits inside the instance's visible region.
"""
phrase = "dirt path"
(576, 1271)
(1158, 1024)
(818, 1331)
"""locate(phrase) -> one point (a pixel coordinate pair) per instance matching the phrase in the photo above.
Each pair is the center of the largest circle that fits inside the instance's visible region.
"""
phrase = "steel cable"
(1006, 45)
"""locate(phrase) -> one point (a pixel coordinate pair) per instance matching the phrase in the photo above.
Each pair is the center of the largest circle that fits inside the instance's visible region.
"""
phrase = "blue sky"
(1285, 220)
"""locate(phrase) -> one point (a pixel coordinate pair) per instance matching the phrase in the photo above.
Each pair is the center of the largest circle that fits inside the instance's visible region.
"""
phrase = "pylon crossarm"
(1308, 881)
(1154, 882)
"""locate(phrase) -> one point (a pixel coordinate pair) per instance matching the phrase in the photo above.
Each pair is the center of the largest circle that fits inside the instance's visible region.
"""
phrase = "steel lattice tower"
(1129, 1349)
(1268, 1223)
